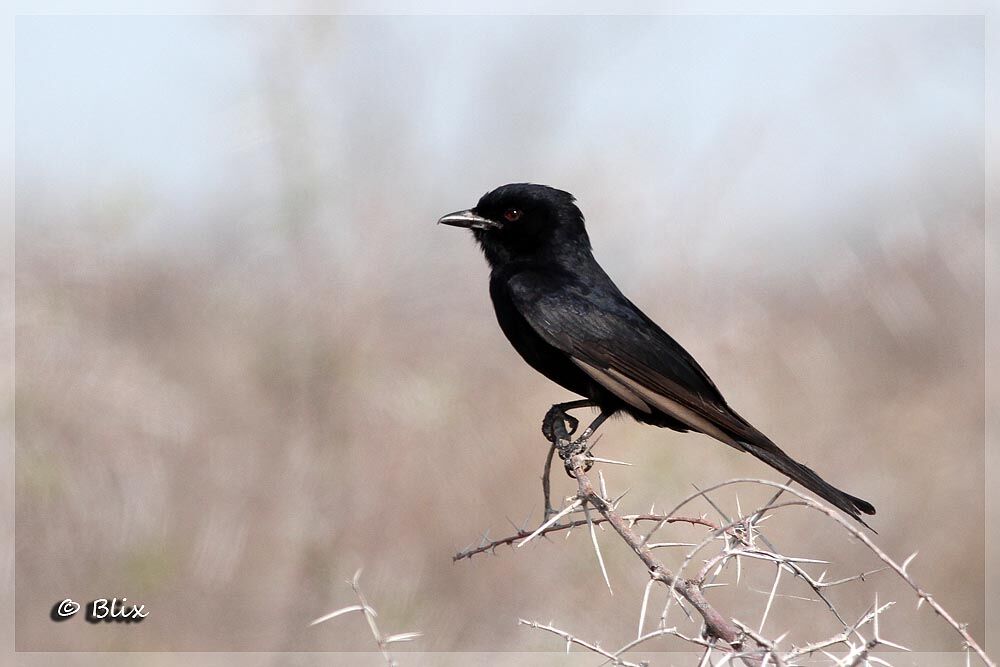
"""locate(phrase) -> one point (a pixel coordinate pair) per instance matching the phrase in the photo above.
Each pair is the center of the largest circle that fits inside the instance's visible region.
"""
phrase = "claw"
(558, 424)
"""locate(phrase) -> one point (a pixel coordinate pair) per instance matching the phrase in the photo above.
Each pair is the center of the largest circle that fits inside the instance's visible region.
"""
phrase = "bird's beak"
(468, 219)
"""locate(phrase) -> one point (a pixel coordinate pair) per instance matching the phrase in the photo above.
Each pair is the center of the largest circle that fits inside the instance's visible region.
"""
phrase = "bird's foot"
(558, 424)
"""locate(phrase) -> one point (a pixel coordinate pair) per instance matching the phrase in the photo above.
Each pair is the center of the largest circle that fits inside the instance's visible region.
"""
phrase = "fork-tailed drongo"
(569, 321)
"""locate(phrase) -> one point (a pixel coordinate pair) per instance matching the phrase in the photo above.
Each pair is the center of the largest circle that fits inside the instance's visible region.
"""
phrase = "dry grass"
(226, 438)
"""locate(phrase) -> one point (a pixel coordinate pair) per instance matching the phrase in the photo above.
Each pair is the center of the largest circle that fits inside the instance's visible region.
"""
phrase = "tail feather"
(772, 455)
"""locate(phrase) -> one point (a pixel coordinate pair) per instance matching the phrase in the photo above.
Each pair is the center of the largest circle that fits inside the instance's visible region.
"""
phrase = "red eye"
(512, 214)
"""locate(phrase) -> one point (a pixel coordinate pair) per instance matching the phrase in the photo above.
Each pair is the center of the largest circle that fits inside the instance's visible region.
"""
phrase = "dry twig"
(382, 640)
(740, 537)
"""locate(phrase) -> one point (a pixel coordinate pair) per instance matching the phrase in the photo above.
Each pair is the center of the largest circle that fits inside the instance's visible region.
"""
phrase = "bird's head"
(525, 221)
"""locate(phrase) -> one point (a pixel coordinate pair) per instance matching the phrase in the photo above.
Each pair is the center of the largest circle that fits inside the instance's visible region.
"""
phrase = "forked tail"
(771, 454)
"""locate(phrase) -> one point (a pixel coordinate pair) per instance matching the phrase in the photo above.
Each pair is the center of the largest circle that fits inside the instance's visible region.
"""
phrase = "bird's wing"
(604, 334)
(627, 353)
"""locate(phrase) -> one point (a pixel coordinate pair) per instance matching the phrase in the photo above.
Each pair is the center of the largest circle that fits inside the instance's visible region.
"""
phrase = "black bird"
(571, 323)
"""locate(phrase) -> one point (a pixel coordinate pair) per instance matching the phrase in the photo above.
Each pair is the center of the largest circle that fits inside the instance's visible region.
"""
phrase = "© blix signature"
(101, 609)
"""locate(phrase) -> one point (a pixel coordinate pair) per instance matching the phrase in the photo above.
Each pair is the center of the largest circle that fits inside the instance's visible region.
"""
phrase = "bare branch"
(716, 624)
(900, 569)
(369, 612)
(538, 531)
(739, 537)
(630, 518)
(570, 640)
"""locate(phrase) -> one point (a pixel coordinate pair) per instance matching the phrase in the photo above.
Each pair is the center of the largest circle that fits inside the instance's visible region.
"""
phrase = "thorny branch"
(715, 623)
(487, 545)
(383, 641)
(898, 568)
(731, 638)
(570, 639)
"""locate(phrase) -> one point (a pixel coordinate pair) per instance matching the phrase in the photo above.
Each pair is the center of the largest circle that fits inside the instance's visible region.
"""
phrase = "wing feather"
(610, 339)
(623, 392)
(614, 343)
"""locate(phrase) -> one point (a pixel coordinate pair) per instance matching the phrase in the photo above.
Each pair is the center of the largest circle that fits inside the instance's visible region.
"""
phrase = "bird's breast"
(539, 354)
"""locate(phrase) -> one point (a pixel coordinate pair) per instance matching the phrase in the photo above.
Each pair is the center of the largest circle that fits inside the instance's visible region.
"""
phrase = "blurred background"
(249, 363)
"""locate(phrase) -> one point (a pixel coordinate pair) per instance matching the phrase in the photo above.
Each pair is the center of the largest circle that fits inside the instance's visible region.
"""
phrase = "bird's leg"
(568, 449)
(558, 426)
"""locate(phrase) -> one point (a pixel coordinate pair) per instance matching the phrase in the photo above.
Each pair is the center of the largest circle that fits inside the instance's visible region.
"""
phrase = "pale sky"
(782, 124)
